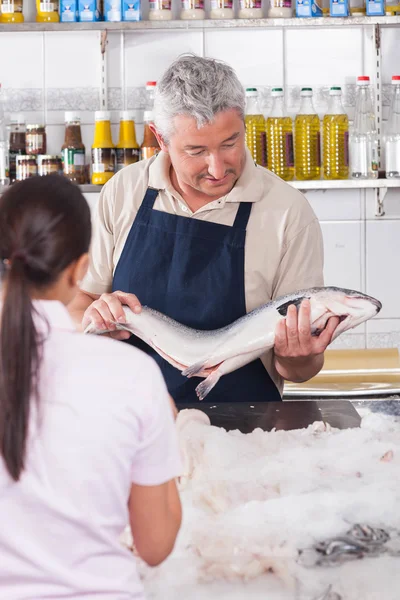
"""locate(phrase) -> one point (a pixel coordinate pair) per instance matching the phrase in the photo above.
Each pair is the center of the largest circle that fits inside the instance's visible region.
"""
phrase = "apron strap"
(242, 215)
(150, 197)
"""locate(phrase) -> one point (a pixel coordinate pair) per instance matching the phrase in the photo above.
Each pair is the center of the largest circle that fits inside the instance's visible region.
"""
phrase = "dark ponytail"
(44, 227)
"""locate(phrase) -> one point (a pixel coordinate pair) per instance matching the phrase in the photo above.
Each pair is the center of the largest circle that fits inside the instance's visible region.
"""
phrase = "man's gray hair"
(197, 87)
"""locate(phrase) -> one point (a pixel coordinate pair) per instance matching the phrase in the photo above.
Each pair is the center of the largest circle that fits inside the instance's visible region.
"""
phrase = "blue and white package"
(68, 11)
(113, 10)
(308, 8)
(89, 11)
(131, 10)
(339, 8)
(375, 8)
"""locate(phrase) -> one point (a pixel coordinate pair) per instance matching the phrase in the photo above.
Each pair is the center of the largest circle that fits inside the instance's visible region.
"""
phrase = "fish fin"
(194, 369)
(207, 385)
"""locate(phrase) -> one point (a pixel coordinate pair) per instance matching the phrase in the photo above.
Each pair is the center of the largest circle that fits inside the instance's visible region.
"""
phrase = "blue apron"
(192, 271)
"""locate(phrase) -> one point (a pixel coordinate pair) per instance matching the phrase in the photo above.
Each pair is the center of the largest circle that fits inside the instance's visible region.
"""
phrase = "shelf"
(344, 184)
(295, 23)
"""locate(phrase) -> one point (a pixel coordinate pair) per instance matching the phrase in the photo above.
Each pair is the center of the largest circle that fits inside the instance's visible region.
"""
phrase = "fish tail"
(207, 385)
(194, 369)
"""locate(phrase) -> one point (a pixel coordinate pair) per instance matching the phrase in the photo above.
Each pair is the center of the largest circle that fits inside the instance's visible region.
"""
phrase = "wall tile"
(149, 54)
(336, 205)
(354, 341)
(72, 59)
(383, 248)
(390, 44)
(21, 65)
(343, 249)
(256, 55)
(391, 205)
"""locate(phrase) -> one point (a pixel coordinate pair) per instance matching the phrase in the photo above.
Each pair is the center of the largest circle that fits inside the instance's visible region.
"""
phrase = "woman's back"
(101, 404)
(87, 436)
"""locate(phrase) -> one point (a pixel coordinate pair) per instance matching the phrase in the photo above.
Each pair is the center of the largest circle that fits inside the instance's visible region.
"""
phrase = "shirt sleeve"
(98, 279)
(302, 263)
(158, 457)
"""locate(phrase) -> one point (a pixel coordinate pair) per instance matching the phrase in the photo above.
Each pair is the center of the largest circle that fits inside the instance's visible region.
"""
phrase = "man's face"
(210, 159)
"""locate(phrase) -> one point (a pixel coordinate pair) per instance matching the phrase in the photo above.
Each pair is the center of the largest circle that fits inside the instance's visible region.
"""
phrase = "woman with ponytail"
(87, 439)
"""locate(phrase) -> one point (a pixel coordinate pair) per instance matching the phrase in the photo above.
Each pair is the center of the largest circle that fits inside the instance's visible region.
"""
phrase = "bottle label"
(126, 156)
(193, 4)
(103, 160)
(221, 4)
(250, 4)
(318, 149)
(46, 7)
(35, 143)
(13, 163)
(160, 4)
(346, 148)
(8, 7)
(264, 150)
(289, 152)
(73, 160)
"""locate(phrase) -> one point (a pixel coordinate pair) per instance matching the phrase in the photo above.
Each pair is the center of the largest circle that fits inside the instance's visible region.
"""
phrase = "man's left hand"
(299, 356)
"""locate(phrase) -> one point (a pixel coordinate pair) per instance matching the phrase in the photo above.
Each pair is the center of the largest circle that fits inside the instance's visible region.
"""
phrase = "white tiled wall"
(54, 72)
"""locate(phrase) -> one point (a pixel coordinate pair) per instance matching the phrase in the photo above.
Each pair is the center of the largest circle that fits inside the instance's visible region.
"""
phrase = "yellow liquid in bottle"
(103, 153)
(280, 147)
(256, 138)
(127, 135)
(15, 17)
(307, 147)
(335, 147)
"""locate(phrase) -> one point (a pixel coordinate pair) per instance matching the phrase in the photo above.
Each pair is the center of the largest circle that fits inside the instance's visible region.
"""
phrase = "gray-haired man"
(204, 235)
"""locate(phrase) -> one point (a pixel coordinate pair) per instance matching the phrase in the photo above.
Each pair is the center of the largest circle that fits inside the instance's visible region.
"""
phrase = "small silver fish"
(212, 354)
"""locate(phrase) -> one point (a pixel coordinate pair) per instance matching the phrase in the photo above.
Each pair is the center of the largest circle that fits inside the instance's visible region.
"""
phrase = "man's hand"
(299, 356)
(108, 308)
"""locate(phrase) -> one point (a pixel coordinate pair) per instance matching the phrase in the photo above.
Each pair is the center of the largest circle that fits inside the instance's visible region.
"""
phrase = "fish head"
(352, 308)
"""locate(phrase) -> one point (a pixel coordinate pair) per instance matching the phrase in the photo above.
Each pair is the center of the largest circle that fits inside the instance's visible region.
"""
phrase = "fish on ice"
(213, 353)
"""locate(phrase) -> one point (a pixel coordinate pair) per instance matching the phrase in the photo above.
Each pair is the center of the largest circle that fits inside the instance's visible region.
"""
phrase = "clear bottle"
(17, 143)
(335, 138)
(127, 148)
(363, 143)
(103, 149)
(280, 138)
(255, 128)
(160, 10)
(250, 9)
(307, 139)
(4, 160)
(280, 9)
(222, 9)
(11, 11)
(193, 10)
(392, 143)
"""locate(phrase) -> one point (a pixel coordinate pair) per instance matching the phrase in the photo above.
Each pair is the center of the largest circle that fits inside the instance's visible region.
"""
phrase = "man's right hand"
(108, 308)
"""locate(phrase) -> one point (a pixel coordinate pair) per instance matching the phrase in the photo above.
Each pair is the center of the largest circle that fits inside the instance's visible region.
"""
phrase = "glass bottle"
(307, 139)
(363, 143)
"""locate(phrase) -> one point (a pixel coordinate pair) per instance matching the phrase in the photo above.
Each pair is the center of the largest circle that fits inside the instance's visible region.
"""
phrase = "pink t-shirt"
(105, 423)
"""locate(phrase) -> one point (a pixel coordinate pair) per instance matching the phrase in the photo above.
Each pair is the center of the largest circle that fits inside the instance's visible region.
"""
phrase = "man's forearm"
(299, 369)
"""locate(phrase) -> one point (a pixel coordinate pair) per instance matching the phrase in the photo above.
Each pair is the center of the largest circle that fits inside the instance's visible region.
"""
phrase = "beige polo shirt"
(283, 251)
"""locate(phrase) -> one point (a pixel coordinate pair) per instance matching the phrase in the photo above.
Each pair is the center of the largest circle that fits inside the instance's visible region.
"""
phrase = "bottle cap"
(363, 80)
(396, 79)
(71, 116)
(306, 91)
(335, 91)
(276, 92)
(102, 115)
(151, 84)
(126, 115)
(148, 116)
(250, 92)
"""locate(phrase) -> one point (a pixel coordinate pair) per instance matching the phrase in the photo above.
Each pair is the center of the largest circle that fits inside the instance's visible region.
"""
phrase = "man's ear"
(160, 140)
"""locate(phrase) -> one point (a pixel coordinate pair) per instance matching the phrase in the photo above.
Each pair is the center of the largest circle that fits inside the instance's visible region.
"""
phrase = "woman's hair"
(197, 87)
(44, 227)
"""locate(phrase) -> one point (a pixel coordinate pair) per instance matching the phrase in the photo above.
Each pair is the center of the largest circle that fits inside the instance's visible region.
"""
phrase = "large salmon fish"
(214, 353)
